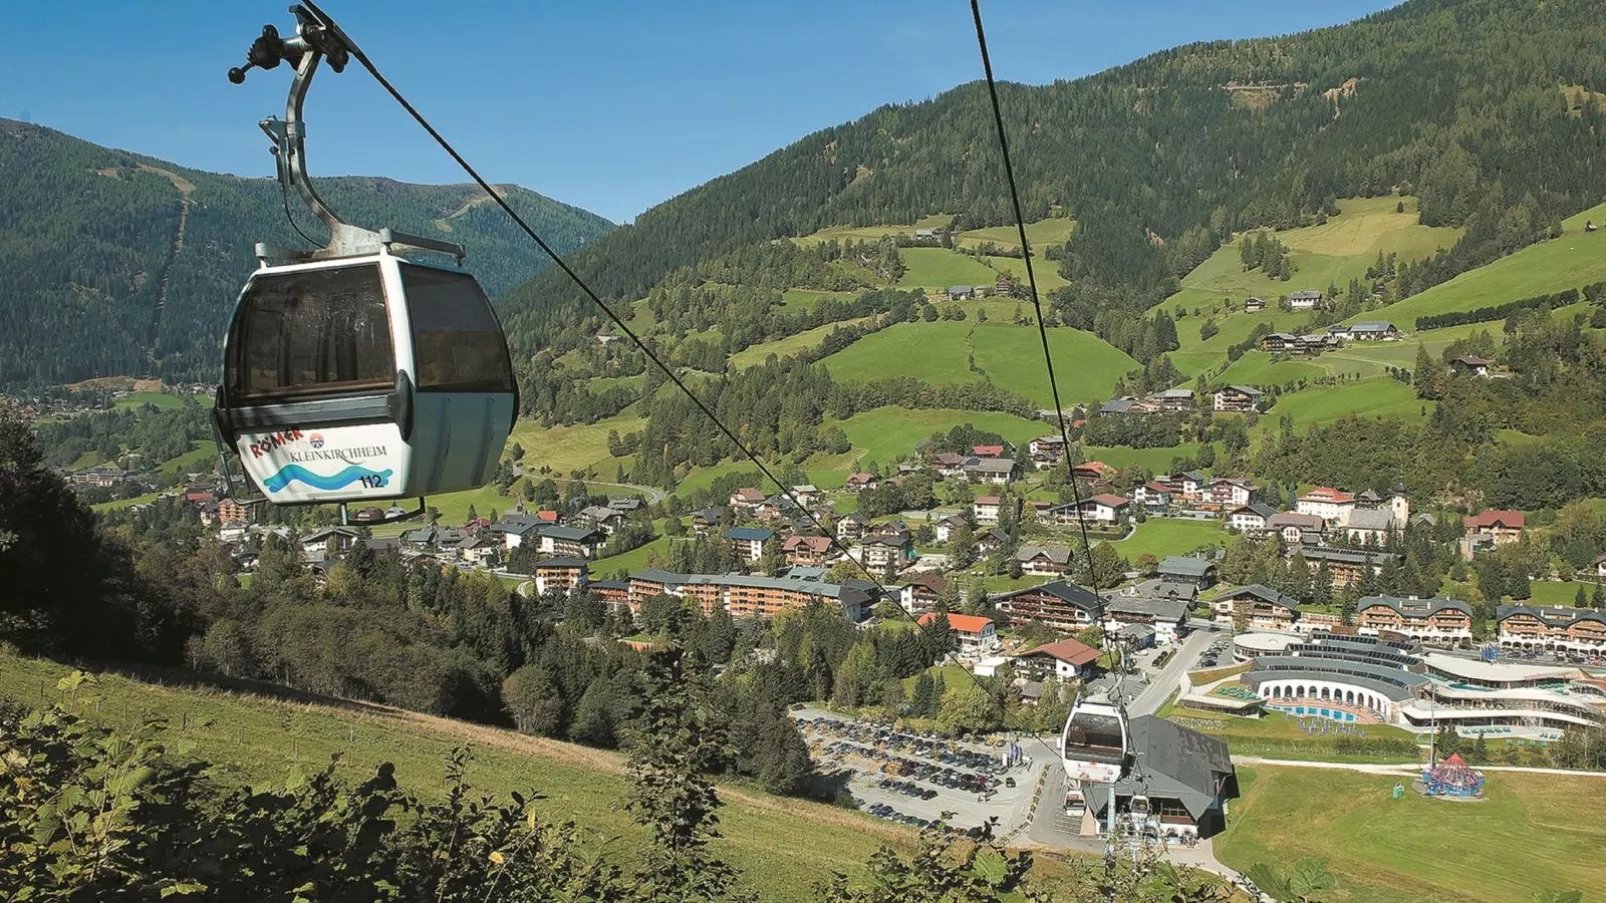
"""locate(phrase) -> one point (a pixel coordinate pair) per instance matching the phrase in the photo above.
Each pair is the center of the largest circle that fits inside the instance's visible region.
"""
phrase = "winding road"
(652, 494)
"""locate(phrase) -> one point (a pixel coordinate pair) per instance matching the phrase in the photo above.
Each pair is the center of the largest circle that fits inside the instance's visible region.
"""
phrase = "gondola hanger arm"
(317, 38)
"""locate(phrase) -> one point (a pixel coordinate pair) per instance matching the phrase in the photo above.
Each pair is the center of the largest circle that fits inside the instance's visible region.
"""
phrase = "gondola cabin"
(365, 378)
(1093, 749)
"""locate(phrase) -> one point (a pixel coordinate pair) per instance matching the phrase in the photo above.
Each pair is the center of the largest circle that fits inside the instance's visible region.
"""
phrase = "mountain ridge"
(118, 263)
(1160, 149)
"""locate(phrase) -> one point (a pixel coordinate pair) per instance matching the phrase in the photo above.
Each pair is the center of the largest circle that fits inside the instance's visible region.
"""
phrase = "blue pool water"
(1310, 710)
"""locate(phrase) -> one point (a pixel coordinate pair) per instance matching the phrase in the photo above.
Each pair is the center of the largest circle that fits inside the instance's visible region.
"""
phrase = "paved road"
(654, 496)
(1161, 685)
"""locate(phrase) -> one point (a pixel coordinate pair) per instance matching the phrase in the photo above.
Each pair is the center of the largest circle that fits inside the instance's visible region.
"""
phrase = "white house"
(1238, 399)
(1044, 561)
(1153, 495)
(1068, 659)
(1250, 518)
(1329, 504)
(994, 471)
(480, 551)
(1374, 331)
(316, 544)
(750, 542)
(1046, 451)
(1105, 508)
(947, 526)
(1305, 300)
(973, 635)
(985, 509)
(1229, 492)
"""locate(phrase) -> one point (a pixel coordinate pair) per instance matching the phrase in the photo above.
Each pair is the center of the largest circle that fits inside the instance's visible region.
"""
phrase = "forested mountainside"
(112, 263)
(1488, 110)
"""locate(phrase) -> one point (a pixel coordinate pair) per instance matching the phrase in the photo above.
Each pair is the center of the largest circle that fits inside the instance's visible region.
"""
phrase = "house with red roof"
(973, 635)
(1093, 471)
(861, 482)
(746, 501)
(985, 509)
(987, 451)
(1067, 659)
(1331, 505)
(1154, 495)
(806, 550)
(1491, 529)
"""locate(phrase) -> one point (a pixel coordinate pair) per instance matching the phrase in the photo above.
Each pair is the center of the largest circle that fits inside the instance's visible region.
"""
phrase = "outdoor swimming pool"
(1316, 711)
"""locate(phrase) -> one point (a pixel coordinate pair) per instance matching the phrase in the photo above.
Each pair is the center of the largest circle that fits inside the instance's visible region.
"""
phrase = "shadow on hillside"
(831, 787)
(185, 679)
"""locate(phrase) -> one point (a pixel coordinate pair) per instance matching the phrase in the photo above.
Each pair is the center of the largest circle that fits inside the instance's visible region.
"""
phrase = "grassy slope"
(1046, 271)
(202, 457)
(155, 399)
(1325, 404)
(792, 344)
(1570, 261)
(1052, 231)
(1256, 368)
(1335, 252)
(935, 269)
(1278, 736)
(599, 384)
(1010, 356)
(563, 448)
(1533, 833)
(633, 560)
(773, 840)
(1162, 536)
(794, 299)
(119, 504)
(884, 434)
(1155, 460)
(871, 233)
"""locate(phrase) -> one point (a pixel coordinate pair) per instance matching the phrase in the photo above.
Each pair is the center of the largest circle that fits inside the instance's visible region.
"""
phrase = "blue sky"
(608, 104)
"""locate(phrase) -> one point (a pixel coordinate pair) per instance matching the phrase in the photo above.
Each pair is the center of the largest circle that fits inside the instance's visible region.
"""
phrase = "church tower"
(1400, 505)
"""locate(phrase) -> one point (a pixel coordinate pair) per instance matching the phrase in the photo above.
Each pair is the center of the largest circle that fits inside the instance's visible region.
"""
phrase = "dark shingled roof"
(1172, 762)
(1186, 566)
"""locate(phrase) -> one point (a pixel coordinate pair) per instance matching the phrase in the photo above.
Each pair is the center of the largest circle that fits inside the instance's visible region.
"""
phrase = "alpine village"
(1185, 486)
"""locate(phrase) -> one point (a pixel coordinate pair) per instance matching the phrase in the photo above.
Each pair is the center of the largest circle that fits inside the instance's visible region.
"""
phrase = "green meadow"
(254, 739)
(887, 433)
(1044, 232)
(160, 400)
(1326, 404)
(935, 269)
(1572, 260)
(786, 347)
(1009, 356)
(1162, 536)
(1532, 833)
(1257, 368)
(1332, 253)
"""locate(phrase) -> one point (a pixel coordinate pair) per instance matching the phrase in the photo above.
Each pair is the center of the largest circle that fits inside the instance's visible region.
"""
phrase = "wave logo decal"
(371, 479)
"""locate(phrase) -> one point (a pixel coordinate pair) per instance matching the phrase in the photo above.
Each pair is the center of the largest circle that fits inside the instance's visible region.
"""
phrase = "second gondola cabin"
(365, 378)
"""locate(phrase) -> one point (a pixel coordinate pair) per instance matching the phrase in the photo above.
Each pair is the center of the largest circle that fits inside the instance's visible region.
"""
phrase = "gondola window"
(314, 332)
(457, 343)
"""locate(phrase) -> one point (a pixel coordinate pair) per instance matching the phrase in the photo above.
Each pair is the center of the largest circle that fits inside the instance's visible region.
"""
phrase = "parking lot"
(917, 779)
(1217, 655)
